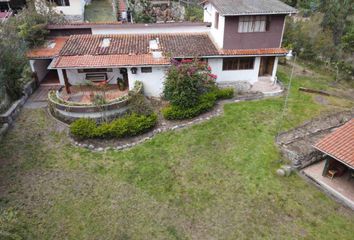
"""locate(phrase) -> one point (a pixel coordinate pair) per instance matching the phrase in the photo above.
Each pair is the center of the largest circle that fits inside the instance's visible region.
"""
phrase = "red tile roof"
(176, 45)
(252, 52)
(339, 144)
(98, 61)
(48, 52)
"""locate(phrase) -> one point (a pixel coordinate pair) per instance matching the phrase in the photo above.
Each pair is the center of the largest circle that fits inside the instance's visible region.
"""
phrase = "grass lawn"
(215, 180)
(100, 11)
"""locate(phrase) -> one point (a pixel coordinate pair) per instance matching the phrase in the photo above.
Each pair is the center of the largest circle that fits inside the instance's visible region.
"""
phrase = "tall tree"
(336, 13)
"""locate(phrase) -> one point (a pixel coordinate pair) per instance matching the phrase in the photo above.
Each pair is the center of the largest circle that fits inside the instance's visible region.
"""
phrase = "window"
(95, 70)
(242, 63)
(253, 24)
(146, 69)
(62, 3)
(216, 20)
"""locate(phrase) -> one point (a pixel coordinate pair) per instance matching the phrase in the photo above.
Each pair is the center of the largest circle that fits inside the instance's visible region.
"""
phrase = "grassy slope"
(99, 11)
(211, 181)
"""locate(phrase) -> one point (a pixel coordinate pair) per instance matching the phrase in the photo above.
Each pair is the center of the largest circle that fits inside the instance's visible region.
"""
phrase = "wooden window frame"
(248, 24)
(238, 63)
(146, 69)
(95, 70)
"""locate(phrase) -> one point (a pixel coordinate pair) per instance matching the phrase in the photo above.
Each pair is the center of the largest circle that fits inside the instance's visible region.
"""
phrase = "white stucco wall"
(150, 30)
(153, 82)
(234, 75)
(40, 66)
(76, 78)
(77, 7)
(74, 12)
(216, 34)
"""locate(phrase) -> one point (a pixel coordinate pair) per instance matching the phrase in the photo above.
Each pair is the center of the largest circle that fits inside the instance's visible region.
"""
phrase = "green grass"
(100, 11)
(215, 180)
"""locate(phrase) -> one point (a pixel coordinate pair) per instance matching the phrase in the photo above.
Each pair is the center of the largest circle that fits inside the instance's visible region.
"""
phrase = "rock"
(91, 146)
(281, 172)
(100, 149)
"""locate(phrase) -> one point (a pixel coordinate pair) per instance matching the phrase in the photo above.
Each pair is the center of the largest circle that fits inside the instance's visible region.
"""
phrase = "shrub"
(139, 105)
(224, 93)
(129, 125)
(83, 128)
(186, 81)
(206, 102)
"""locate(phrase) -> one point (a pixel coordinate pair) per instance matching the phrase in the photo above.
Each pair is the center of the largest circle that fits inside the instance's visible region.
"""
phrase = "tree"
(25, 30)
(336, 13)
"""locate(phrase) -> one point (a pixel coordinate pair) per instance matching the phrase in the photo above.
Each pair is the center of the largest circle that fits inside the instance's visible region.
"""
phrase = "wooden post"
(66, 81)
(325, 168)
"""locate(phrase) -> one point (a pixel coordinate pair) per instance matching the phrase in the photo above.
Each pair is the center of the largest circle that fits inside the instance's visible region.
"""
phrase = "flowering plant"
(186, 81)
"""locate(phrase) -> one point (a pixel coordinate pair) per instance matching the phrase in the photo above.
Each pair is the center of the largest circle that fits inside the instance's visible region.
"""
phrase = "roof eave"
(327, 153)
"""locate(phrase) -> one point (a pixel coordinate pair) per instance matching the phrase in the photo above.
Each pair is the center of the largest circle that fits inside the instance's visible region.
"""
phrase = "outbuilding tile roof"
(339, 144)
(251, 7)
(107, 61)
(50, 49)
(176, 45)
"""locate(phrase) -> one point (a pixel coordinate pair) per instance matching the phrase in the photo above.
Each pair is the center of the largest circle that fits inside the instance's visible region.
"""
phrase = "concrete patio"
(266, 85)
(342, 188)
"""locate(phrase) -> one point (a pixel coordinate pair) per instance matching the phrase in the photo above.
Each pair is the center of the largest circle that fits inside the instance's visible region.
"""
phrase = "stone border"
(148, 136)
(7, 118)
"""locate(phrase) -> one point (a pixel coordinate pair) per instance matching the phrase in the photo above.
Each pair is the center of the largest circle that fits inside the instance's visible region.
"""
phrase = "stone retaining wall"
(7, 118)
(69, 114)
(296, 144)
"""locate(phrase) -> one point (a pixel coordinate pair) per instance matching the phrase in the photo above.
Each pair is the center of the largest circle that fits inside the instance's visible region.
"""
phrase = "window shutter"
(269, 18)
(216, 20)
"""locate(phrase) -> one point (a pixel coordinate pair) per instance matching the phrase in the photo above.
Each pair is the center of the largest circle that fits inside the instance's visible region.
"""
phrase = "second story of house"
(247, 24)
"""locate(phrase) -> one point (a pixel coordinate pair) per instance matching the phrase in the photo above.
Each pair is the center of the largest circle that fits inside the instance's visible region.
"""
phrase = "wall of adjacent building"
(216, 34)
(40, 66)
(253, 40)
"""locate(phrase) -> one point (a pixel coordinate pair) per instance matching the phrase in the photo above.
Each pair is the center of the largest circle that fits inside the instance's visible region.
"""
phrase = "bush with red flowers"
(187, 81)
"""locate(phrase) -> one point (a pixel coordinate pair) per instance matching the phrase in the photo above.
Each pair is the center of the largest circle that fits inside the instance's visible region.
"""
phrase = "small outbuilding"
(338, 147)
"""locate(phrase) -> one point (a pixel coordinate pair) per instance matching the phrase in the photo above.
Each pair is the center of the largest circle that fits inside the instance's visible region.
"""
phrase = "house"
(335, 172)
(240, 40)
(73, 10)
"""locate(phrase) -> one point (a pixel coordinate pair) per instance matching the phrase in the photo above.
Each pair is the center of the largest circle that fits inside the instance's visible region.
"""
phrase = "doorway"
(266, 66)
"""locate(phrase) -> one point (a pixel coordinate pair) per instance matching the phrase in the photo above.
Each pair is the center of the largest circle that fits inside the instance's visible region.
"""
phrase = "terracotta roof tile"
(176, 45)
(46, 51)
(262, 51)
(86, 61)
(339, 144)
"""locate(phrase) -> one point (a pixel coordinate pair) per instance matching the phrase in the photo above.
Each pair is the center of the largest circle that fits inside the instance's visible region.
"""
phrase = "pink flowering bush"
(187, 81)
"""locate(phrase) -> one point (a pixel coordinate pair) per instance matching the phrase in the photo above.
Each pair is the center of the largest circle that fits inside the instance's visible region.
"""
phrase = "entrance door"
(266, 66)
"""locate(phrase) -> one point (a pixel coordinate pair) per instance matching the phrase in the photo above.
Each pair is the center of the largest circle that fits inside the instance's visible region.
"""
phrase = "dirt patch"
(296, 145)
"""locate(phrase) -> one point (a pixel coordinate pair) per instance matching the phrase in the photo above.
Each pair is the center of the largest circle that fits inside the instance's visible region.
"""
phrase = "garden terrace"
(81, 103)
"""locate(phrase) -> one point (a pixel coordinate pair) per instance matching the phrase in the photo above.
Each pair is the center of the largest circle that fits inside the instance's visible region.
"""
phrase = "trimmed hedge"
(130, 125)
(206, 102)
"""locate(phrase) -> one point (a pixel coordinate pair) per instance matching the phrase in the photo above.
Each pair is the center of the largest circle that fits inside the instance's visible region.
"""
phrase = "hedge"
(206, 102)
(130, 125)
